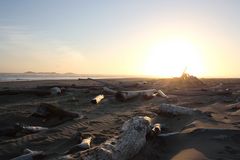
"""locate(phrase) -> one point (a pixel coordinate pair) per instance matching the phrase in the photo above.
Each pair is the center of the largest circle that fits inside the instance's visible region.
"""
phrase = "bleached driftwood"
(109, 91)
(97, 99)
(125, 146)
(150, 93)
(156, 128)
(46, 110)
(85, 144)
(33, 129)
(55, 91)
(174, 109)
(127, 95)
(161, 94)
(30, 155)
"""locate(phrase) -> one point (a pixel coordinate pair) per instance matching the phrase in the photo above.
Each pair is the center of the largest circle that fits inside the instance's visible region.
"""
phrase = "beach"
(213, 134)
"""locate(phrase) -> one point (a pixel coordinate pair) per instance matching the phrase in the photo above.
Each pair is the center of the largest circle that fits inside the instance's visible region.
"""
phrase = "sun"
(169, 58)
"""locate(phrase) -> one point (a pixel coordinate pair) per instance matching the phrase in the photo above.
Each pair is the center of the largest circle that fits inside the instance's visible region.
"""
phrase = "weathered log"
(33, 129)
(85, 144)
(125, 146)
(174, 109)
(30, 155)
(97, 99)
(127, 95)
(109, 91)
(46, 110)
(55, 91)
(161, 94)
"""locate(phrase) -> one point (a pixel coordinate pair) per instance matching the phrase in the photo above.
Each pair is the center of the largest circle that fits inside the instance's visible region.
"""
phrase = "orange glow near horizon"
(168, 58)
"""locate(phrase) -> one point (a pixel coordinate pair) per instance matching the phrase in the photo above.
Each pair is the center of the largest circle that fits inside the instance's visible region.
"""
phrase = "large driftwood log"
(125, 146)
(147, 94)
(174, 109)
(127, 95)
(31, 155)
(33, 129)
(46, 110)
(109, 91)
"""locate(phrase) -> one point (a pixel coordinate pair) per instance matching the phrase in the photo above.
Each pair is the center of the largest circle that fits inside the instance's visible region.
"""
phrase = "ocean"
(6, 77)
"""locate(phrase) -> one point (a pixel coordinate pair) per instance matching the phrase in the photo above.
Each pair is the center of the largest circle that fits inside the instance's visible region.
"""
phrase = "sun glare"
(169, 59)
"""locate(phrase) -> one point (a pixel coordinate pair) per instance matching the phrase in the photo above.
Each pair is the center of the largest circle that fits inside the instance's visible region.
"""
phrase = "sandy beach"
(214, 134)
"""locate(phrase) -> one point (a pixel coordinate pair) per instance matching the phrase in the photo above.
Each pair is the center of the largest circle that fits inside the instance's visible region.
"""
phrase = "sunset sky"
(126, 37)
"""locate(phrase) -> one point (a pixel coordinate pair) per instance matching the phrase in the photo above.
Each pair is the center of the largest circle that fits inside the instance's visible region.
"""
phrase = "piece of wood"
(127, 95)
(97, 99)
(161, 94)
(48, 111)
(174, 109)
(30, 155)
(156, 128)
(85, 144)
(33, 129)
(123, 147)
(109, 91)
(55, 91)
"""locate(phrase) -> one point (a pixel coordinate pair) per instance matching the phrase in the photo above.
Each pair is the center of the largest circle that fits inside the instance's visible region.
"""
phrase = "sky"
(129, 37)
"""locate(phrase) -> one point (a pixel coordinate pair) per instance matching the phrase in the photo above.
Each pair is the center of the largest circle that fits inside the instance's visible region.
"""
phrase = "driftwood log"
(174, 110)
(33, 129)
(123, 147)
(97, 99)
(48, 111)
(31, 155)
(147, 94)
(109, 91)
(127, 95)
(85, 144)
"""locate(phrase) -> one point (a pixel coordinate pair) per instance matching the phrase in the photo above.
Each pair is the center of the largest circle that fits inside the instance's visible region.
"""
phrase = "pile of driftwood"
(132, 138)
(187, 80)
(120, 93)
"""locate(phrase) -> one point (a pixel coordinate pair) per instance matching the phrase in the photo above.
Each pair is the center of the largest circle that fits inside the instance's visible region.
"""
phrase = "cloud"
(20, 50)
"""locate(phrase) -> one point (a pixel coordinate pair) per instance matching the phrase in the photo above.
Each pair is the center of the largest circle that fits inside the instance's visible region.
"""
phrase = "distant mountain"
(31, 72)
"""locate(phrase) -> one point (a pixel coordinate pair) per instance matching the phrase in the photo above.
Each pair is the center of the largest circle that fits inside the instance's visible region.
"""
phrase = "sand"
(212, 135)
